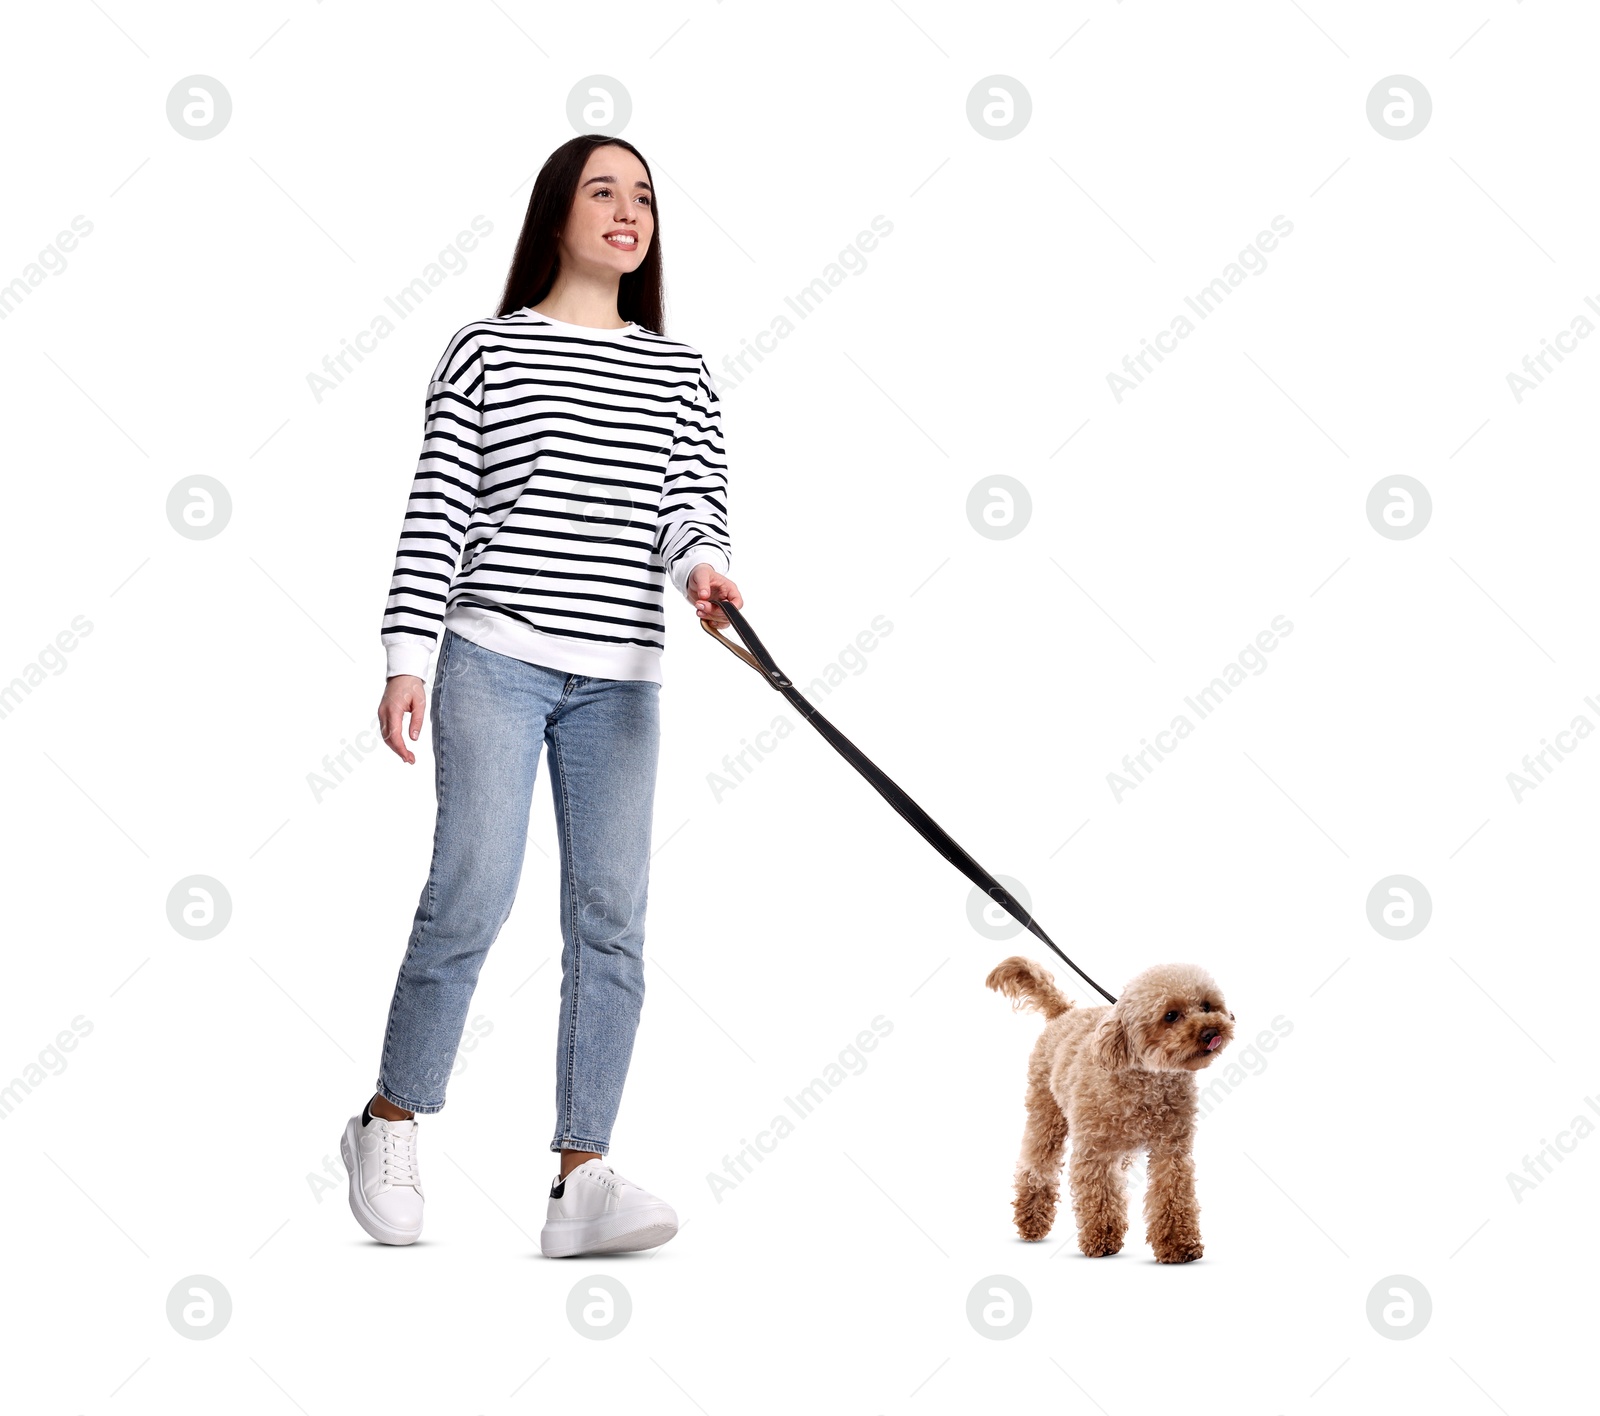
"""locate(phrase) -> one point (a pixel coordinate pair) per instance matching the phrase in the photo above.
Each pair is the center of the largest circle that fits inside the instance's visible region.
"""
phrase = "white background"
(1166, 531)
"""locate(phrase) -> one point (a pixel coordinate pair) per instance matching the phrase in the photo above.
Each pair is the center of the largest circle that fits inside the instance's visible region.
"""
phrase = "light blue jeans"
(491, 715)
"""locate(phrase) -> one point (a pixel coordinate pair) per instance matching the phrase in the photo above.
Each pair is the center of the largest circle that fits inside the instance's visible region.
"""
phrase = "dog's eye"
(1205, 1007)
(1172, 1015)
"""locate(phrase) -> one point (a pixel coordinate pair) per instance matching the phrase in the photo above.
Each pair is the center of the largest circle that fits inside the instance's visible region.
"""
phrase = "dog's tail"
(1028, 985)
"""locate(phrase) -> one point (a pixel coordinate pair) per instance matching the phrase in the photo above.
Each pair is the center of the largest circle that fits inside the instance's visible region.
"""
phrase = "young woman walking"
(572, 460)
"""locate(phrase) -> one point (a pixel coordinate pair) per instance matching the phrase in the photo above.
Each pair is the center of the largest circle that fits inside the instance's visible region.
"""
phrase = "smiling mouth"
(623, 241)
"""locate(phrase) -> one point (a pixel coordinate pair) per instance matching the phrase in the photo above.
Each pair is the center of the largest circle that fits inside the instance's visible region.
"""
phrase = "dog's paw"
(1034, 1209)
(1099, 1242)
(1179, 1251)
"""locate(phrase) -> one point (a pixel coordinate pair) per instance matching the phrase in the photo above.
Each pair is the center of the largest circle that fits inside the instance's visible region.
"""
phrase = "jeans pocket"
(442, 668)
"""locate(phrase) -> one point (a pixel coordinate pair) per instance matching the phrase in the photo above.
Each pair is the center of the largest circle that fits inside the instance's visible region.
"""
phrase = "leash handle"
(763, 665)
(755, 654)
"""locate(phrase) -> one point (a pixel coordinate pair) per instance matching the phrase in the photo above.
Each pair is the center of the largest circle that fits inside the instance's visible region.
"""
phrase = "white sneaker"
(385, 1186)
(596, 1211)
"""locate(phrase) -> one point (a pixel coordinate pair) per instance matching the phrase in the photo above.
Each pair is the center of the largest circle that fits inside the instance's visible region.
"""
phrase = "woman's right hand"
(403, 694)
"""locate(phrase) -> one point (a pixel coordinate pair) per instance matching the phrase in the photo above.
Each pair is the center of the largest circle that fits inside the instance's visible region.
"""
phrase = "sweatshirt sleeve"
(443, 495)
(693, 523)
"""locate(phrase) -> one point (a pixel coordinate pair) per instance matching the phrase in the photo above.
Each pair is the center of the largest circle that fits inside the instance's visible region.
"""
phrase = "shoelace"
(606, 1177)
(619, 1182)
(400, 1156)
(610, 1179)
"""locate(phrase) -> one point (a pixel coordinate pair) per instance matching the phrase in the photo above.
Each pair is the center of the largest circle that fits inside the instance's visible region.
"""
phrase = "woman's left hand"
(707, 584)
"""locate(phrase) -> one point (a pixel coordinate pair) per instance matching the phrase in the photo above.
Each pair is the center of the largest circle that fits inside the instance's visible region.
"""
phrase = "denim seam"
(569, 1063)
(440, 677)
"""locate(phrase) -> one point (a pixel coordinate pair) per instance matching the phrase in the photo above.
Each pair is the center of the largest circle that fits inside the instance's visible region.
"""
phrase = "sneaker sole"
(609, 1234)
(366, 1217)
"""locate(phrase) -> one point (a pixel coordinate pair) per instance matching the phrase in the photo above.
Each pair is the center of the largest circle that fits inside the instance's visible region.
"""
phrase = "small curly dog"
(1118, 1079)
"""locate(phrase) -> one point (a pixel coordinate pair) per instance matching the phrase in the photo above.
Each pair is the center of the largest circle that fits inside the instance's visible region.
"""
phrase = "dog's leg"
(1039, 1169)
(1172, 1214)
(1099, 1199)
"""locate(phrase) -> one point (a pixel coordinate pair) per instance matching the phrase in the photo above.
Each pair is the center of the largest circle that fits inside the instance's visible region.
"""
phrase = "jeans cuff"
(575, 1143)
(422, 1108)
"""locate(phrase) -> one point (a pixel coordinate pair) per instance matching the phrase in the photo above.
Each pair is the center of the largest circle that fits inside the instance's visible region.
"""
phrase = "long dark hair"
(538, 256)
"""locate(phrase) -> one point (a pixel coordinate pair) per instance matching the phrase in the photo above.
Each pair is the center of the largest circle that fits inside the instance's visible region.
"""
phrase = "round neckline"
(587, 329)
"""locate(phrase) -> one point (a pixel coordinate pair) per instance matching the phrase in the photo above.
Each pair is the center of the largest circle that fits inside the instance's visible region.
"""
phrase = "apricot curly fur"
(1118, 1079)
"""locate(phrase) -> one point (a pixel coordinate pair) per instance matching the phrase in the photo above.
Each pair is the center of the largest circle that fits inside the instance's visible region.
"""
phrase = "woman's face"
(614, 200)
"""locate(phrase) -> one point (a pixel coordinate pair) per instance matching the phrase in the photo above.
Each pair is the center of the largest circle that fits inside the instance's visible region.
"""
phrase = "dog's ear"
(1108, 1044)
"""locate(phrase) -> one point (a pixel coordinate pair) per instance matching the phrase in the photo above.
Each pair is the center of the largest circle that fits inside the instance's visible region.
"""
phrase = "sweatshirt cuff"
(409, 655)
(700, 553)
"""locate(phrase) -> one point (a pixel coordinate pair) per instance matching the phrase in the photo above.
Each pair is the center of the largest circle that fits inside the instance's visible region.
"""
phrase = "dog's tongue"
(1215, 1043)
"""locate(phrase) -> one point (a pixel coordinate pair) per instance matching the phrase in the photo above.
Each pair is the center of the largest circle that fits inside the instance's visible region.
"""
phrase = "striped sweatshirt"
(570, 473)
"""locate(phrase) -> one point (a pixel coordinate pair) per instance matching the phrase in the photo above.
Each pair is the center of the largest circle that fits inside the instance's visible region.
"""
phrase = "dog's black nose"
(1206, 1034)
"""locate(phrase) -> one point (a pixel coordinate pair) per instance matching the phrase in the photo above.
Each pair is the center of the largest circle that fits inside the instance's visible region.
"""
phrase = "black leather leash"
(755, 654)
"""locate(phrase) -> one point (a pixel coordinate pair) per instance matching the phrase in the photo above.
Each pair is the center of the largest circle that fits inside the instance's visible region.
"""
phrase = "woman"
(572, 459)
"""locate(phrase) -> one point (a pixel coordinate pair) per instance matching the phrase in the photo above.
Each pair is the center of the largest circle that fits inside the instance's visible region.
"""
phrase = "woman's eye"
(1172, 1016)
